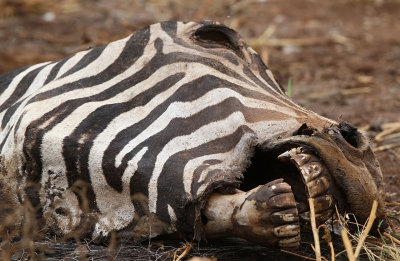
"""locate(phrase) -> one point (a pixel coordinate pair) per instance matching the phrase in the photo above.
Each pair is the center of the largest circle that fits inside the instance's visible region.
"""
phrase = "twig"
(314, 230)
(392, 136)
(352, 91)
(347, 245)
(393, 204)
(364, 234)
(391, 238)
(186, 249)
(386, 147)
(379, 136)
(328, 239)
(295, 42)
(332, 251)
(391, 125)
(298, 255)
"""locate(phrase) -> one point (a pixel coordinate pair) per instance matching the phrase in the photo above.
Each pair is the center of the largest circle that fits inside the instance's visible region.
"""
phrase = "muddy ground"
(342, 57)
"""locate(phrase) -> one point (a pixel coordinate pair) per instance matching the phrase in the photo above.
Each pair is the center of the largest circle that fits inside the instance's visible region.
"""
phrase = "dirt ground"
(342, 57)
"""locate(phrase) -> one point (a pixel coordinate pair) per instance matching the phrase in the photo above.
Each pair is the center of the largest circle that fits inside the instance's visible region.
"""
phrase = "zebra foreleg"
(266, 215)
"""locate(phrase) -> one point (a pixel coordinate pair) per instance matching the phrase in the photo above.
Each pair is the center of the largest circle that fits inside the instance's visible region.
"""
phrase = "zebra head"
(322, 159)
(178, 128)
(319, 158)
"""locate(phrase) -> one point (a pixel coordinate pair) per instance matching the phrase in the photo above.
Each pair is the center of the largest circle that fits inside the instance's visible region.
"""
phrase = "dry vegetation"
(343, 58)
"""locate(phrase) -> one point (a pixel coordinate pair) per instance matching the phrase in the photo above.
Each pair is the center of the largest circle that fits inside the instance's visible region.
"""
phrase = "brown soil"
(343, 57)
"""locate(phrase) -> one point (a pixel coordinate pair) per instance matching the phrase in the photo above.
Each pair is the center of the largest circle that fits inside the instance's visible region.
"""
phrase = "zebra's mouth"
(335, 167)
(283, 173)
(303, 171)
(317, 181)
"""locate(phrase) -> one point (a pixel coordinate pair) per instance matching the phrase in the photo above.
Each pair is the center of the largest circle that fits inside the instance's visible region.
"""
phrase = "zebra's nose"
(350, 134)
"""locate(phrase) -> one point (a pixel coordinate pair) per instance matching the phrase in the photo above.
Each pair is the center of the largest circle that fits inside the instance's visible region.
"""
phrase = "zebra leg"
(266, 215)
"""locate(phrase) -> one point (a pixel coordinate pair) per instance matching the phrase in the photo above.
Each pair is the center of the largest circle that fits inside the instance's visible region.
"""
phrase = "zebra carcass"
(178, 129)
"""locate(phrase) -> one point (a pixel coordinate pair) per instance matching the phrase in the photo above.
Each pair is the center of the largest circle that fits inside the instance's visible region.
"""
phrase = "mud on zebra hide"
(178, 130)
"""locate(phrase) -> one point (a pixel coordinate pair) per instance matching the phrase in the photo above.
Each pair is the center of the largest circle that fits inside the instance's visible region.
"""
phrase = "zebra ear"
(217, 36)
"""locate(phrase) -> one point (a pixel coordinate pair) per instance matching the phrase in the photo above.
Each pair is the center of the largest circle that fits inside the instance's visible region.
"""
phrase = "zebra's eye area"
(217, 36)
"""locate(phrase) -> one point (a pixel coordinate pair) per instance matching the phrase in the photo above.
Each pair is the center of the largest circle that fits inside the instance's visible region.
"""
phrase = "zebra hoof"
(266, 215)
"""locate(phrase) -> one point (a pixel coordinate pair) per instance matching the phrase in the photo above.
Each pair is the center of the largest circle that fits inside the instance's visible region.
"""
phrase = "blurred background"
(339, 58)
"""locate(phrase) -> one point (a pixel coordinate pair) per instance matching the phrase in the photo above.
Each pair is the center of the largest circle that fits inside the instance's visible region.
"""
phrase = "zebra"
(178, 129)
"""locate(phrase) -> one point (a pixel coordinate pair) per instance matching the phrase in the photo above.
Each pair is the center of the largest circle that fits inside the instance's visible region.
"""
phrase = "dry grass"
(317, 247)
(388, 138)
(387, 247)
(35, 244)
(349, 248)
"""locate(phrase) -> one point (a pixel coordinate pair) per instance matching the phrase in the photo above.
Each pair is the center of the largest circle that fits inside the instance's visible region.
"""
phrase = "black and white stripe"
(162, 113)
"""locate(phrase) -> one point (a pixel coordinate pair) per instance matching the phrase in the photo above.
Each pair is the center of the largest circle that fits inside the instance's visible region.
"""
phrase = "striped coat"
(136, 134)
